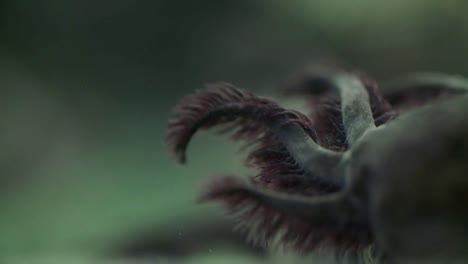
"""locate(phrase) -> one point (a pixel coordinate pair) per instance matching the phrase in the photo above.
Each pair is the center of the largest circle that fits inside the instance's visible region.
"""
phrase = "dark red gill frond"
(303, 223)
(279, 171)
(236, 109)
(421, 88)
(267, 128)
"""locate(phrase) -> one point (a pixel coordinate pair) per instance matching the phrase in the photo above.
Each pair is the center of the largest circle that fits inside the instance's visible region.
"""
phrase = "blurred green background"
(86, 88)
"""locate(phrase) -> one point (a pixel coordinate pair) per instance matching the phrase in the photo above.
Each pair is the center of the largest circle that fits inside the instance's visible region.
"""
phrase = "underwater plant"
(365, 170)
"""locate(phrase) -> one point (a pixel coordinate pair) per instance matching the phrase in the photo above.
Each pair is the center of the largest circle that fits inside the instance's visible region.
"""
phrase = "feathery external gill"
(303, 222)
(278, 131)
(421, 88)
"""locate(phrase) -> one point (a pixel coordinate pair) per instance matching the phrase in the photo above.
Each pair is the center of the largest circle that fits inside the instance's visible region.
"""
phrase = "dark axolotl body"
(412, 176)
(353, 175)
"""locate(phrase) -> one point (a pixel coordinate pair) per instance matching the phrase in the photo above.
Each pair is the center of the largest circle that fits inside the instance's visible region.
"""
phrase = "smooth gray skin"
(412, 176)
(330, 166)
(355, 106)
